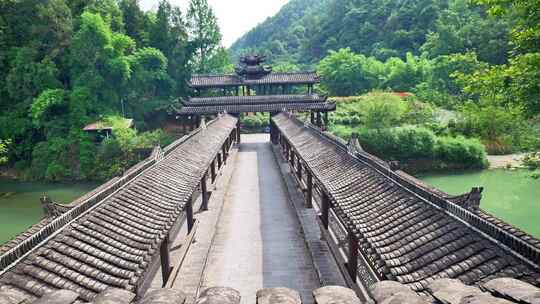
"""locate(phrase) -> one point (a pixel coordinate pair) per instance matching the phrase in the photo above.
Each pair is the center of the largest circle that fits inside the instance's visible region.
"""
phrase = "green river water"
(20, 207)
(510, 195)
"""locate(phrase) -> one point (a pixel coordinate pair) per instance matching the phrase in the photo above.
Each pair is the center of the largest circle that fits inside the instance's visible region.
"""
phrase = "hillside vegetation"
(476, 59)
(68, 63)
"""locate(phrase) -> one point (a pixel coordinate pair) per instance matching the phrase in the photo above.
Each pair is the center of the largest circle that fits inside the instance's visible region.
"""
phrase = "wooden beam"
(309, 191)
(204, 192)
(325, 209)
(189, 214)
(164, 252)
(352, 262)
(213, 170)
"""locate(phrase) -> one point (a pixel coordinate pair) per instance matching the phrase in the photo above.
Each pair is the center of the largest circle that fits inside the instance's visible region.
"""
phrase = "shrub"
(256, 122)
(416, 143)
(459, 150)
(3, 151)
(405, 143)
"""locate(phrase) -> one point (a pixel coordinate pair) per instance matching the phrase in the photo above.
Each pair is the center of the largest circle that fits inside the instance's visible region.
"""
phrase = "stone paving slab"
(191, 272)
(259, 242)
(327, 269)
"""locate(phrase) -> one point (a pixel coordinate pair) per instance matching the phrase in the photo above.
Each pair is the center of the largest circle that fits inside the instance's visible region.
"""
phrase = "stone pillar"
(221, 295)
(278, 295)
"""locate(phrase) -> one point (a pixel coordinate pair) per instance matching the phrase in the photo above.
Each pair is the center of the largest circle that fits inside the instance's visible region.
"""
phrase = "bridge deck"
(259, 242)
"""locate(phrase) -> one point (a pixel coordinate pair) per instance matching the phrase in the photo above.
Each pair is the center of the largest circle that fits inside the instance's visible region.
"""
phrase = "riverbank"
(506, 161)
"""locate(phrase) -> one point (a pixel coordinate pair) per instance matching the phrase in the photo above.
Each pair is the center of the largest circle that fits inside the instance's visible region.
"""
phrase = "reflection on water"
(510, 195)
(20, 207)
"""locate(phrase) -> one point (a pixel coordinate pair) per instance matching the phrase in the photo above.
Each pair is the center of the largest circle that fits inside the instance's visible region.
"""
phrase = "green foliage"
(45, 104)
(257, 122)
(416, 143)
(65, 64)
(345, 73)
(304, 31)
(4, 151)
(501, 127)
(404, 129)
(205, 33)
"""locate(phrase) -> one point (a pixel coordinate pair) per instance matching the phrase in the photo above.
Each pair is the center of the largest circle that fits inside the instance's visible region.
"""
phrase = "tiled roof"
(213, 81)
(265, 103)
(406, 232)
(252, 100)
(113, 243)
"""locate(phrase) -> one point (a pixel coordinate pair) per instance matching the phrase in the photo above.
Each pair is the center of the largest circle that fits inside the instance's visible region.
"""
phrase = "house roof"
(217, 81)
(101, 126)
(264, 103)
(110, 239)
(407, 231)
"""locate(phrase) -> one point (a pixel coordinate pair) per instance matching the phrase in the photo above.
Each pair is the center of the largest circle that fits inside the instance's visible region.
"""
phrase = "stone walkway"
(259, 242)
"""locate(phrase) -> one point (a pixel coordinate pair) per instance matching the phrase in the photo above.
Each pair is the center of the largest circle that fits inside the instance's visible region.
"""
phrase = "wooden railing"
(520, 248)
(95, 197)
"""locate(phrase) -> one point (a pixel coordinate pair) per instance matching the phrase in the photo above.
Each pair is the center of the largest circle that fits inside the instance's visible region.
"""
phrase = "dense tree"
(64, 64)
(204, 33)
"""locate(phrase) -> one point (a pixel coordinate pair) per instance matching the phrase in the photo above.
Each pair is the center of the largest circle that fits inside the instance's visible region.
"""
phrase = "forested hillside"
(476, 61)
(67, 63)
(305, 30)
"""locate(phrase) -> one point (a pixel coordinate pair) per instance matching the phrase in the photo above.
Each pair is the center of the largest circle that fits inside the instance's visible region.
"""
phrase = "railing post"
(213, 170)
(309, 193)
(325, 209)
(299, 168)
(204, 193)
(312, 117)
(224, 149)
(189, 213)
(219, 160)
(165, 259)
(319, 120)
(292, 159)
(352, 263)
(238, 131)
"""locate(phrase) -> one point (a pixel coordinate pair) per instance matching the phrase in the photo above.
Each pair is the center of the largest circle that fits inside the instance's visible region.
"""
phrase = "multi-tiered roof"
(252, 75)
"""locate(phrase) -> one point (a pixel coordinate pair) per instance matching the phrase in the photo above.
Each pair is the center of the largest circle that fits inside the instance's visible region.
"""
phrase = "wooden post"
(326, 118)
(319, 121)
(325, 209)
(249, 90)
(213, 171)
(238, 131)
(312, 118)
(219, 161)
(292, 159)
(189, 213)
(204, 192)
(352, 263)
(309, 192)
(299, 168)
(237, 91)
(165, 259)
(224, 149)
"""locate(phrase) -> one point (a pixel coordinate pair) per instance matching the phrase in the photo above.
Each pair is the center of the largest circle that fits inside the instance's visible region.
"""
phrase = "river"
(20, 207)
(511, 195)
